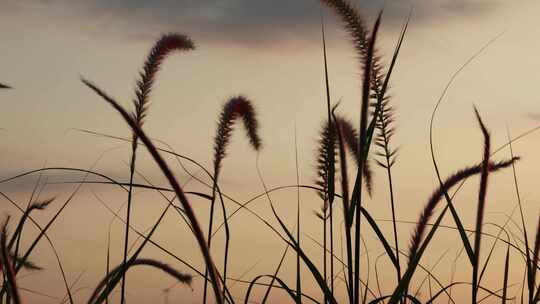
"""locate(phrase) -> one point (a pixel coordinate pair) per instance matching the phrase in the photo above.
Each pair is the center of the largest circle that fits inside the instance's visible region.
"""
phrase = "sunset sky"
(269, 51)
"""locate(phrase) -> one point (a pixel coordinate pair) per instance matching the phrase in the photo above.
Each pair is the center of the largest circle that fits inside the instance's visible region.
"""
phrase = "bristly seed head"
(236, 107)
(326, 146)
(360, 36)
(327, 141)
(163, 47)
(350, 136)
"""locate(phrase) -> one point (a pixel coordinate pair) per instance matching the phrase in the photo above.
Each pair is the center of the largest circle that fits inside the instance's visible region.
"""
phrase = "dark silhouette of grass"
(328, 172)
(180, 277)
(535, 261)
(8, 267)
(346, 203)
(338, 137)
(435, 198)
(481, 205)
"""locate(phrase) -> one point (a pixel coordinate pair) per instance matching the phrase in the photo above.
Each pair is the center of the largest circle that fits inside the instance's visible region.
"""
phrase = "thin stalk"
(331, 161)
(298, 274)
(267, 293)
(324, 253)
(394, 226)
(388, 166)
(128, 215)
(331, 248)
(209, 237)
(505, 279)
(363, 141)
(530, 281)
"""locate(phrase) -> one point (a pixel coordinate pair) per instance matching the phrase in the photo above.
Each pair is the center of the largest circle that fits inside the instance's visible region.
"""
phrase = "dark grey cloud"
(246, 22)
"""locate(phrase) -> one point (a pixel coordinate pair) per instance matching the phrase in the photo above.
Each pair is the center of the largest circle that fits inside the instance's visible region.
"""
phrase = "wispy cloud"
(245, 22)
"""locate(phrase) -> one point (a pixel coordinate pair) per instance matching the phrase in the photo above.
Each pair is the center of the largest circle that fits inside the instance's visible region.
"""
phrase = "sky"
(269, 51)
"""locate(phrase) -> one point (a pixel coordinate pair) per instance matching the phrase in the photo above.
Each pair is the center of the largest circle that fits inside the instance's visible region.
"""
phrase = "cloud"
(243, 22)
(470, 8)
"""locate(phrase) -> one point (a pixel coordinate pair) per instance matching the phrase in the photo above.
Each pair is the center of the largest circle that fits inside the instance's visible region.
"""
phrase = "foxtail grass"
(164, 46)
(374, 84)
(338, 137)
(238, 107)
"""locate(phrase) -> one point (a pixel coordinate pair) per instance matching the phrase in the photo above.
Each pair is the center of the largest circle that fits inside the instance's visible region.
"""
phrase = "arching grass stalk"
(214, 276)
(180, 277)
(238, 107)
(161, 49)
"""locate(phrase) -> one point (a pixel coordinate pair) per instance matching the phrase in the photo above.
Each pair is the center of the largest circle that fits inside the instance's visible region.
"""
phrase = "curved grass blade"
(181, 277)
(455, 215)
(417, 252)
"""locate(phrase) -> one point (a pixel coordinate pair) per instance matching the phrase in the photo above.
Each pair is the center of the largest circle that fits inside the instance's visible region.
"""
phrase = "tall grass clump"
(374, 86)
(337, 180)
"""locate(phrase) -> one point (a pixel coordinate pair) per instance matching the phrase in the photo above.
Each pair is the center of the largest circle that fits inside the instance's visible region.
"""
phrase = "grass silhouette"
(368, 141)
